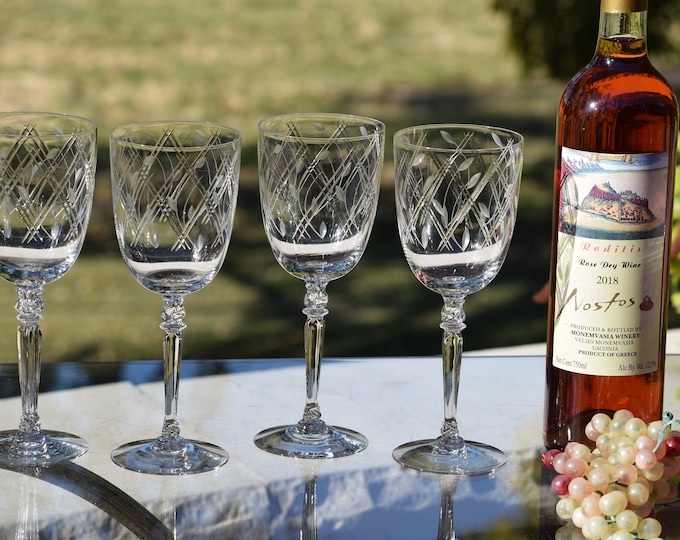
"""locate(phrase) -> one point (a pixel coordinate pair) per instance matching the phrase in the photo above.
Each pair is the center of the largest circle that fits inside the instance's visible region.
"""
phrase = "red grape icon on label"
(646, 304)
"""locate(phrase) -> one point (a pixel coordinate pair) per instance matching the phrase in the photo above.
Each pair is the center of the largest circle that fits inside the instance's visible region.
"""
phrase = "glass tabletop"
(260, 496)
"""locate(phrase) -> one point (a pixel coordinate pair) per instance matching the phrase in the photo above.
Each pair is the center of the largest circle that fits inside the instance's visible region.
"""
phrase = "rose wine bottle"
(614, 173)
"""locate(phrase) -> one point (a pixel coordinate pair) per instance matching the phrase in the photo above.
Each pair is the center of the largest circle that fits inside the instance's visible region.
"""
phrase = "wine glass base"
(60, 447)
(144, 457)
(426, 456)
(288, 441)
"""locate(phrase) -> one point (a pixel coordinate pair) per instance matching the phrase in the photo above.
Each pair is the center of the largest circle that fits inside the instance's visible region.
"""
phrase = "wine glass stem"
(173, 324)
(447, 487)
(314, 337)
(316, 300)
(453, 317)
(29, 438)
(308, 530)
(27, 520)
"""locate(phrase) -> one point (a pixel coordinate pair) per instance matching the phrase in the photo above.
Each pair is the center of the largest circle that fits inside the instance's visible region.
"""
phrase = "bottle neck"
(623, 28)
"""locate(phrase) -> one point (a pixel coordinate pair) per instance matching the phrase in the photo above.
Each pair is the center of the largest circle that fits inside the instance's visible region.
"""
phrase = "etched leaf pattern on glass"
(463, 183)
(456, 196)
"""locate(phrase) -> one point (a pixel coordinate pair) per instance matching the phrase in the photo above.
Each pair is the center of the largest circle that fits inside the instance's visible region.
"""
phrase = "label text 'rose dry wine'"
(615, 160)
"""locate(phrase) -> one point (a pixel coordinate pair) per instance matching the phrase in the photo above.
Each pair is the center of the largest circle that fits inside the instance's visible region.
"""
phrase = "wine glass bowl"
(174, 197)
(47, 166)
(456, 192)
(319, 184)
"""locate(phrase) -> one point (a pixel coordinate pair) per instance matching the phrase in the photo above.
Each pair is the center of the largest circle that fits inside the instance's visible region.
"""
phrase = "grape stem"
(667, 417)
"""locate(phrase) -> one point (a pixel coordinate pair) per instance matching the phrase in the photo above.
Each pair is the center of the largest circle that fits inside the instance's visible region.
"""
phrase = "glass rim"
(139, 126)
(399, 142)
(90, 126)
(310, 117)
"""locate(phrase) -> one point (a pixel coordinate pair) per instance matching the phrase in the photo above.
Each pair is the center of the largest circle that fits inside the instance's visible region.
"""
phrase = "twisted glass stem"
(316, 300)
(29, 439)
(453, 323)
(173, 314)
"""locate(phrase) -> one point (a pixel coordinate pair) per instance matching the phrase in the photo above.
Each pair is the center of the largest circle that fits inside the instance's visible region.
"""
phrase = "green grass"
(235, 62)
(238, 60)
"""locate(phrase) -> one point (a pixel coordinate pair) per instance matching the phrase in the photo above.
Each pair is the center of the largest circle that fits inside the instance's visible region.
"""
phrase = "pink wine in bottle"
(614, 173)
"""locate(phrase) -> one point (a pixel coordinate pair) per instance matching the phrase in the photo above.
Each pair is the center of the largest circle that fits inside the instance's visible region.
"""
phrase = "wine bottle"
(614, 174)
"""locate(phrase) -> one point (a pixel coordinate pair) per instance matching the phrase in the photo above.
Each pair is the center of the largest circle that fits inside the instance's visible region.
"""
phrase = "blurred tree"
(558, 37)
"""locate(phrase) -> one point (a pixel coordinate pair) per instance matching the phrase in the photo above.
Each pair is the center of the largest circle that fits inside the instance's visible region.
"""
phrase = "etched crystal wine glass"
(174, 197)
(319, 184)
(47, 166)
(456, 197)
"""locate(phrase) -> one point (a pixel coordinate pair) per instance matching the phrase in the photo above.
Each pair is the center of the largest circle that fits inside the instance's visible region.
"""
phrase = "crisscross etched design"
(459, 199)
(319, 184)
(43, 198)
(47, 165)
(176, 188)
(319, 190)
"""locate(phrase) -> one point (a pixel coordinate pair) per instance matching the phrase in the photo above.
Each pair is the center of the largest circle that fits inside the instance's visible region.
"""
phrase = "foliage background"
(548, 35)
(236, 61)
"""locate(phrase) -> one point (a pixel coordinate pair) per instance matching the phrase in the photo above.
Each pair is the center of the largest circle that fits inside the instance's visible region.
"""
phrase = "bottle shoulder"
(607, 80)
(620, 106)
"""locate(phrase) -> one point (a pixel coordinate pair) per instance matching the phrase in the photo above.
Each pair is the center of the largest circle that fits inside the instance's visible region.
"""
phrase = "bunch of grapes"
(609, 493)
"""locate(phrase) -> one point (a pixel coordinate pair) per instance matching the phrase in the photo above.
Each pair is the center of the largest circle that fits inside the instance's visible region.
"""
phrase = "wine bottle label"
(610, 252)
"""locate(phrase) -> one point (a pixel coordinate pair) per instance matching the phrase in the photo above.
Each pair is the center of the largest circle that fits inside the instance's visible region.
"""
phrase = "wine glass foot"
(426, 456)
(288, 441)
(59, 447)
(195, 457)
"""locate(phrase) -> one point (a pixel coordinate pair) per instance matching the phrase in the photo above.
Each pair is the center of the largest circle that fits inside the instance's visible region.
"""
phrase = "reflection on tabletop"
(363, 504)
(92, 488)
(261, 496)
